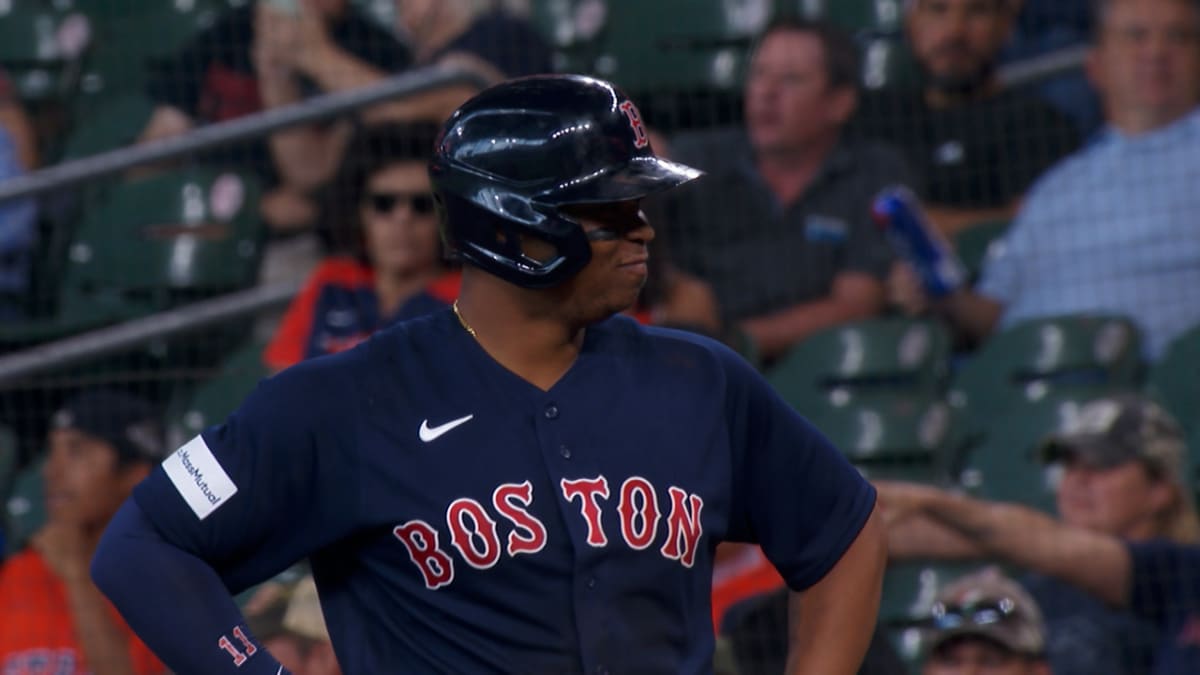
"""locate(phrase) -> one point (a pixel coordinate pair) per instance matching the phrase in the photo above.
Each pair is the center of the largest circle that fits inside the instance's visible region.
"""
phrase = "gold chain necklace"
(466, 326)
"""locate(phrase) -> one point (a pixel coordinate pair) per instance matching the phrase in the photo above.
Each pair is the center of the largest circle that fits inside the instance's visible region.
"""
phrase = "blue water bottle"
(897, 211)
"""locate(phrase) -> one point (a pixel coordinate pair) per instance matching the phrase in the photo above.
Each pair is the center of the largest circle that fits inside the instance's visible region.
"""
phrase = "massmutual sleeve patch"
(198, 477)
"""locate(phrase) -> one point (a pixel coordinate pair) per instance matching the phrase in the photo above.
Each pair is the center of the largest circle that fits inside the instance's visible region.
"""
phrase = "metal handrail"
(234, 131)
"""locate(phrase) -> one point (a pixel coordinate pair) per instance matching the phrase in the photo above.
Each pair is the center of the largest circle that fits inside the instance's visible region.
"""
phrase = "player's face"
(956, 41)
(614, 277)
(789, 103)
(83, 483)
(1147, 62)
(979, 657)
(1123, 500)
(399, 222)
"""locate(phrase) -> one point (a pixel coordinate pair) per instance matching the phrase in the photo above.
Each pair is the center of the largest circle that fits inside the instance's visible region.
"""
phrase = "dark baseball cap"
(124, 421)
(989, 606)
(1113, 430)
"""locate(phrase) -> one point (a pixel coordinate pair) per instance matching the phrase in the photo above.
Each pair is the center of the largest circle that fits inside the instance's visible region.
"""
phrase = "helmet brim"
(637, 178)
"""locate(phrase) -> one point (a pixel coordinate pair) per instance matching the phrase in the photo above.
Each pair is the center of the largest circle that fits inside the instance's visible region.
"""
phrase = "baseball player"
(528, 482)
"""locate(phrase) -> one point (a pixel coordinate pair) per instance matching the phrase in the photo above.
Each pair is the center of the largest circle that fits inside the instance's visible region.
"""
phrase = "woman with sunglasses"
(380, 219)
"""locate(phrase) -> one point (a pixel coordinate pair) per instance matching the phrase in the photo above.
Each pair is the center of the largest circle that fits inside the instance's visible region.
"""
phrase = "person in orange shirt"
(380, 219)
(53, 619)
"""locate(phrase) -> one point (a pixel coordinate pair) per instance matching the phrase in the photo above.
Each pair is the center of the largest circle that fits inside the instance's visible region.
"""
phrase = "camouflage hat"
(987, 605)
(1113, 430)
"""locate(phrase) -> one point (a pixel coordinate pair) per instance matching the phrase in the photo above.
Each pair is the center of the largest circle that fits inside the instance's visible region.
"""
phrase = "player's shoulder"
(669, 347)
(328, 383)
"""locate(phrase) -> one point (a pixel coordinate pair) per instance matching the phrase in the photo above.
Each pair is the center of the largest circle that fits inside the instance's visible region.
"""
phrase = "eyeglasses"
(382, 203)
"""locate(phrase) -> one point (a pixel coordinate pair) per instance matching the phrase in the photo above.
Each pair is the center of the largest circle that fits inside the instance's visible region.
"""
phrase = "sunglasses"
(947, 617)
(383, 203)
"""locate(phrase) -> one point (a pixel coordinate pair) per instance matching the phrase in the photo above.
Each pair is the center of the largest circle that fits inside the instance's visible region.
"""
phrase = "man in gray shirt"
(780, 226)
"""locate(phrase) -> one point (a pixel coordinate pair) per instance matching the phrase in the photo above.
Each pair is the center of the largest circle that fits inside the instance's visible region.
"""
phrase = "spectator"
(1112, 229)
(292, 627)
(1124, 485)
(977, 146)
(17, 218)
(53, 619)
(480, 36)
(780, 227)
(380, 209)
(1044, 28)
(985, 623)
(262, 56)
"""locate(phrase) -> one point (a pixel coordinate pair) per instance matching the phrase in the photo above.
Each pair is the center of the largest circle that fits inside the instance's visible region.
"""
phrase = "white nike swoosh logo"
(428, 433)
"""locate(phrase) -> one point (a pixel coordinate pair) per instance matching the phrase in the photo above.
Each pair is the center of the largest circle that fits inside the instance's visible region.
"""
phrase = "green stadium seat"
(1028, 361)
(703, 46)
(25, 508)
(889, 427)
(878, 27)
(972, 245)
(152, 244)
(129, 33)
(112, 122)
(1174, 380)
(864, 357)
(40, 47)
(195, 408)
(857, 16)
(1004, 466)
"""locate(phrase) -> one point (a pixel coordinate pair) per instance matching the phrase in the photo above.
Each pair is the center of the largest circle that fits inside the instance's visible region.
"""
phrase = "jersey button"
(591, 582)
(564, 451)
(551, 412)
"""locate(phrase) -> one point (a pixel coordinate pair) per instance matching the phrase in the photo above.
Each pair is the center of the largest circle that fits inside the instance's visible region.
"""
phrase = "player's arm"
(234, 506)
(1095, 562)
(169, 596)
(831, 623)
(814, 516)
(854, 295)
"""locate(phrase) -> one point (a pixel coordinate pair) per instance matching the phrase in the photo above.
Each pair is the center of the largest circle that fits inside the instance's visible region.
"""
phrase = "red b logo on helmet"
(640, 140)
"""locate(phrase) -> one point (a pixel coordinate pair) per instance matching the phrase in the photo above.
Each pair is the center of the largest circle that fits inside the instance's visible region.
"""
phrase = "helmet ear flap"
(497, 244)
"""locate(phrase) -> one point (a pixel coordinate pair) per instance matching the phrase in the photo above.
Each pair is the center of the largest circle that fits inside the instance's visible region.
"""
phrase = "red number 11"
(238, 657)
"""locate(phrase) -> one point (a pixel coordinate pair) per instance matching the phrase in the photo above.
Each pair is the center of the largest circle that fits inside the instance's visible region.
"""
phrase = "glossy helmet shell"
(511, 157)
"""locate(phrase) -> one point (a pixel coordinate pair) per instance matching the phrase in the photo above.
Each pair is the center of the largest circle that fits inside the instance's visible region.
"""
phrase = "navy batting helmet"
(509, 159)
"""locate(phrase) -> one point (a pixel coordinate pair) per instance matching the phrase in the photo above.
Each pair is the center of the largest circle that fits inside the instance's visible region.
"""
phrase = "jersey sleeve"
(795, 494)
(1165, 588)
(276, 481)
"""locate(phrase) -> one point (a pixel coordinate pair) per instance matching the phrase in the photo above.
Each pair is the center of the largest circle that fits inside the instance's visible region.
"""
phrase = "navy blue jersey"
(1166, 590)
(459, 519)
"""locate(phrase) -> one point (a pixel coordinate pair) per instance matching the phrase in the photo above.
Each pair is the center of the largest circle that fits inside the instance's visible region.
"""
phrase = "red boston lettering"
(482, 530)
(638, 502)
(588, 490)
(529, 534)
(683, 527)
(421, 540)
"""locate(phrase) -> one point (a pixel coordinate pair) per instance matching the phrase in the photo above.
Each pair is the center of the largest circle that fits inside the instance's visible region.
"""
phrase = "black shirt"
(509, 44)
(980, 155)
(758, 254)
